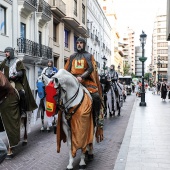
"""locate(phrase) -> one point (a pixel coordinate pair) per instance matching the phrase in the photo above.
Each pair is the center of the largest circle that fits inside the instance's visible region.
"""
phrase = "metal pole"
(143, 103)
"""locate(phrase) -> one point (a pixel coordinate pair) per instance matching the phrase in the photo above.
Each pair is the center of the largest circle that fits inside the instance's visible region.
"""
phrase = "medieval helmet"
(11, 51)
(80, 39)
(50, 61)
(112, 67)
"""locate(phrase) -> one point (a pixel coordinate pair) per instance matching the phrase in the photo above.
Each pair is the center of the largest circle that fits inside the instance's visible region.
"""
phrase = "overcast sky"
(139, 15)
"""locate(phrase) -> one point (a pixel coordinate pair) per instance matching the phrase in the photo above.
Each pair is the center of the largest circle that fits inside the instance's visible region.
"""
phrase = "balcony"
(44, 12)
(103, 46)
(59, 8)
(27, 7)
(96, 38)
(32, 51)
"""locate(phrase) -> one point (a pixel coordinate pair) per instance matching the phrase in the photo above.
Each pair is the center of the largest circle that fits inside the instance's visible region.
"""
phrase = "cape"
(23, 84)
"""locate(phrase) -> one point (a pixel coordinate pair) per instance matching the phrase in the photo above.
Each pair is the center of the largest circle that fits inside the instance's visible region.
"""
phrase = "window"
(75, 7)
(2, 20)
(66, 38)
(83, 14)
(75, 45)
(54, 32)
(40, 37)
(23, 30)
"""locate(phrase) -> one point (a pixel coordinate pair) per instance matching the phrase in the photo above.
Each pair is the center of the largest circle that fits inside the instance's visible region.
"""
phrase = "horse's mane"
(64, 75)
(5, 86)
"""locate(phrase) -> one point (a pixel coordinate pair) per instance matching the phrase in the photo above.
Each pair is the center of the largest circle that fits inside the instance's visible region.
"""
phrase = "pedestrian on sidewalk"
(163, 90)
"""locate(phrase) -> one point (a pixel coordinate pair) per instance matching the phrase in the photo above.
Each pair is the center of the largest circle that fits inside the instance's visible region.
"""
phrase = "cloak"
(9, 111)
(23, 84)
(82, 128)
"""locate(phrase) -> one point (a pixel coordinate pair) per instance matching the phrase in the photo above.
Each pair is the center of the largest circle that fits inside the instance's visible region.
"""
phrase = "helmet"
(50, 61)
(11, 50)
(80, 39)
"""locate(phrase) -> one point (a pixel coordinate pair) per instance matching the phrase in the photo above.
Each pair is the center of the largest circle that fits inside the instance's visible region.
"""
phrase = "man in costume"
(50, 70)
(112, 78)
(14, 70)
(83, 66)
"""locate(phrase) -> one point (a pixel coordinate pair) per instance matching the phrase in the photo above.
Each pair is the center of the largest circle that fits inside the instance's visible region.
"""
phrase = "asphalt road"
(40, 152)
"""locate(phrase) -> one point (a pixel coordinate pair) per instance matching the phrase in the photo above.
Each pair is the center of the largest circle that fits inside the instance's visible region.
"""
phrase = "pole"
(104, 67)
(142, 103)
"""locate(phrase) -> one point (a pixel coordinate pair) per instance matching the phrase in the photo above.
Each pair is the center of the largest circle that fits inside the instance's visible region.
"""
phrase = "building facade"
(99, 31)
(159, 57)
(138, 63)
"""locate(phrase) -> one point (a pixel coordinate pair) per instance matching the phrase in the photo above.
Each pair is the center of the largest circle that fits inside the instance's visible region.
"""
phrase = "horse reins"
(62, 107)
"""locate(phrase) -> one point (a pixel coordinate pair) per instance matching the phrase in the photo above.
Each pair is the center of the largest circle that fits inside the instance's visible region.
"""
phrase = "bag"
(50, 101)
(3, 151)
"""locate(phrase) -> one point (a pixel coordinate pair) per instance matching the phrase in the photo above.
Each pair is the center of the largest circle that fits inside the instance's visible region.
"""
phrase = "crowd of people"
(162, 89)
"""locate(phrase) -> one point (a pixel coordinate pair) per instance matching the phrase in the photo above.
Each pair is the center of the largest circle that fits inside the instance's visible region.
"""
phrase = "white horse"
(40, 111)
(76, 104)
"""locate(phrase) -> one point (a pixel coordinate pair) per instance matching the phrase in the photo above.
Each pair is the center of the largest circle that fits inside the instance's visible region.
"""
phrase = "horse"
(40, 101)
(75, 120)
(114, 97)
(16, 127)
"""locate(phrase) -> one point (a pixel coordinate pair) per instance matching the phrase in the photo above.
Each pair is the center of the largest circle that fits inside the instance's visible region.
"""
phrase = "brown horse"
(11, 120)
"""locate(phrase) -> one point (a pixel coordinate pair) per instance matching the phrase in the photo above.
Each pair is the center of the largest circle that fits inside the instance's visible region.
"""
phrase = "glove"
(99, 134)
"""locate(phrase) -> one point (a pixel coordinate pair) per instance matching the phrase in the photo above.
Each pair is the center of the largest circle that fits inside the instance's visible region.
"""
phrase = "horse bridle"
(61, 105)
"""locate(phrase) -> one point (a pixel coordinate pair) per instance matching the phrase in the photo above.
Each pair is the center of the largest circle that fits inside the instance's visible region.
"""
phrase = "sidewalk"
(146, 144)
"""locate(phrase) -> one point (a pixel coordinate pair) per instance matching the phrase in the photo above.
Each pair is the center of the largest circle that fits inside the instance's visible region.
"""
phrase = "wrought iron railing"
(44, 7)
(32, 2)
(33, 49)
(60, 5)
(96, 38)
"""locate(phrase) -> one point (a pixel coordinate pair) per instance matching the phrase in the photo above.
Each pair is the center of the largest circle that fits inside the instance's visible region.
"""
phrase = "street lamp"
(143, 59)
(104, 63)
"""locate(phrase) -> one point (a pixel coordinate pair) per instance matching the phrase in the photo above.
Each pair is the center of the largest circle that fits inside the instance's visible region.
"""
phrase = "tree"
(147, 76)
(126, 69)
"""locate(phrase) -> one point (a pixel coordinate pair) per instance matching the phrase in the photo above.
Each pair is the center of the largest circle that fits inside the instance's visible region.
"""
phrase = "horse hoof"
(24, 143)
(69, 169)
(90, 157)
(118, 114)
(9, 156)
(82, 167)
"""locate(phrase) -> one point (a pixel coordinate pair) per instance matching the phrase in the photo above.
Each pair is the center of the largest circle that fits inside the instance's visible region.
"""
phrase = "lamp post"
(104, 63)
(143, 59)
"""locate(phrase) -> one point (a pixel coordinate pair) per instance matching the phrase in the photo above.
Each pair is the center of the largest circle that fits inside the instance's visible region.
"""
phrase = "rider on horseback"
(13, 69)
(50, 70)
(83, 66)
(112, 78)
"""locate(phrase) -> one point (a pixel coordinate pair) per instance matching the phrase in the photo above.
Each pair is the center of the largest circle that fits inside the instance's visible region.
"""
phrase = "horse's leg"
(82, 164)
(25, 131)
(42, 110)
(67, 132)
(118, 109)
(9, 153)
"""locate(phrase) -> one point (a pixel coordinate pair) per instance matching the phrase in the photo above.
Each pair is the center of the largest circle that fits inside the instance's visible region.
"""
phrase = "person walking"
(163, 90)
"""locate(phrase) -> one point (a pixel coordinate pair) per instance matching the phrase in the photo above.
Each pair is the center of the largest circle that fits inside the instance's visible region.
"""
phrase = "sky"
(139, 15)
